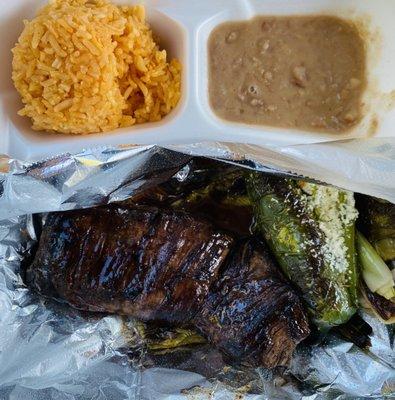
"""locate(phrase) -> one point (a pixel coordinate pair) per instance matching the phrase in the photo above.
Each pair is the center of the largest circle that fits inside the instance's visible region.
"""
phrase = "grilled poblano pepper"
(377, 220)
(223, 200)
(310, 229)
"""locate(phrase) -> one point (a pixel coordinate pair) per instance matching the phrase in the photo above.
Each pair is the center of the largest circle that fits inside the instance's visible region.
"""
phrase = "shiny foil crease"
(48, 351)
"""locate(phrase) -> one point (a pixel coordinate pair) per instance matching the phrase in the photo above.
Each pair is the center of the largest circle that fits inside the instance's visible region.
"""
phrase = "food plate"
(184, 28)
(49, 351)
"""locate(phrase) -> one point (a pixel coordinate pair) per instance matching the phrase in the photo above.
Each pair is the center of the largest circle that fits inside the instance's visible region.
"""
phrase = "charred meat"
(172, 268)
(251, 312)
(140, 262)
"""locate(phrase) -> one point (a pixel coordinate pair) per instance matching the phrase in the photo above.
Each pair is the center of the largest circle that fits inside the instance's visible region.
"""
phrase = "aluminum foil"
(52, 352)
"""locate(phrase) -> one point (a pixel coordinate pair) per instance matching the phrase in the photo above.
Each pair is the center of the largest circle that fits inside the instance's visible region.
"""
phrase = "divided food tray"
(184, 28)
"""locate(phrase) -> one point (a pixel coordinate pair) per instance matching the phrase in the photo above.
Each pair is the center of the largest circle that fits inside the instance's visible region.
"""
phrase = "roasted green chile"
(293, 231)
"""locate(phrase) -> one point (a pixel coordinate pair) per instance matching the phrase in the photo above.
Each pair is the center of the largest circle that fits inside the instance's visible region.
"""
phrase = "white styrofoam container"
(184, 27)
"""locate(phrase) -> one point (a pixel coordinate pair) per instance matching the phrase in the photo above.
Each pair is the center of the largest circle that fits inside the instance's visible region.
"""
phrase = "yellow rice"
(84, 66)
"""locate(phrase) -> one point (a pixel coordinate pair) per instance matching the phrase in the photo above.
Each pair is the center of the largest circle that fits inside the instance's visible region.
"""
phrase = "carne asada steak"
(133, 261)
(172, 268)
(251, 312)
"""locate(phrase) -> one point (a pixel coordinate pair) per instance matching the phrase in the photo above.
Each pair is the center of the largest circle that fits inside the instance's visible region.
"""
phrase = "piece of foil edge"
(49, 352)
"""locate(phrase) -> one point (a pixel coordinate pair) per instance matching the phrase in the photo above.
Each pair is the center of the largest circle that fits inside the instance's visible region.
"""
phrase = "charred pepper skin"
(297, 243)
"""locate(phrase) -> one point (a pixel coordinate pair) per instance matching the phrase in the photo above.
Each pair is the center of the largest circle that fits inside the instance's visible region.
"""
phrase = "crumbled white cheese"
(334, 209)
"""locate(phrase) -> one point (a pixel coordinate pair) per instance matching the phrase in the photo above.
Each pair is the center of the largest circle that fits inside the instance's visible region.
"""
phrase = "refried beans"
(302, 72)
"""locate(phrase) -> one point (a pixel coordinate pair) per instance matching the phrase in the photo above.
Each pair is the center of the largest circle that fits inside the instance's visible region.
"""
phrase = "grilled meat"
(251, 312)
(171, 268)
(141, 262)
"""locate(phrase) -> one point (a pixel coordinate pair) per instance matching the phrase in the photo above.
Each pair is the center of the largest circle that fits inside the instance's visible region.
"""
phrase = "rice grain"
(85, 66)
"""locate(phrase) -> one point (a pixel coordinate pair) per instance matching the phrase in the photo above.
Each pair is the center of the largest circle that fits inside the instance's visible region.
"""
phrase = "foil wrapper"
(48, 351)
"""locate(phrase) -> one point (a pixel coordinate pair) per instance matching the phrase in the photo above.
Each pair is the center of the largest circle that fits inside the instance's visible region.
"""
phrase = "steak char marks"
(171, 268)
(139, 262)
(251, 312)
